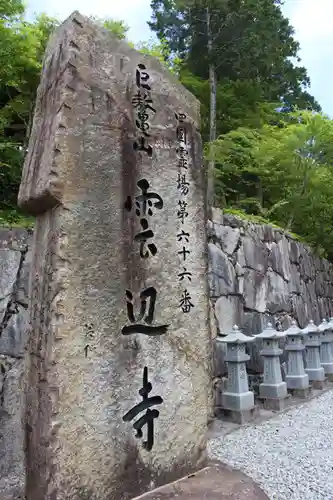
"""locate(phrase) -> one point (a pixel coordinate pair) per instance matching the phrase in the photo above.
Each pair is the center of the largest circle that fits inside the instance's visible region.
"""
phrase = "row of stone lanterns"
(238, 400)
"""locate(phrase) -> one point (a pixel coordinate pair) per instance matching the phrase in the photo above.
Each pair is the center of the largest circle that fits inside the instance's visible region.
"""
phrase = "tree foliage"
(253, 48)
(117, 28)
(22, 46)
(274, 157)
(284, 173)
(274, 154)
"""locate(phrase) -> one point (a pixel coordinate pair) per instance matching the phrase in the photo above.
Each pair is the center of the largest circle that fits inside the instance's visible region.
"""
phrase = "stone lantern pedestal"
(297, 380)
(313, 368)
(326, 355)
(237, 399)
(273, 390)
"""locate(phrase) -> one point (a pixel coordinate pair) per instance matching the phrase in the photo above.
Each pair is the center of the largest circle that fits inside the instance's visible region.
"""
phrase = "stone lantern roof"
(324, 326)
(310, 328)
(236, 336)
(330, 323)
(270, 333)
(293, 330)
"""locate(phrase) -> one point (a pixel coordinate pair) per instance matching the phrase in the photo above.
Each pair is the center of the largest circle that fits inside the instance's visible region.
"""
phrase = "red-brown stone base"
(215, 482)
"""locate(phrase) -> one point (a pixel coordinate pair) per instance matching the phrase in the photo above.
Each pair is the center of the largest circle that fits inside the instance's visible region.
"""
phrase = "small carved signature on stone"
(89, 335)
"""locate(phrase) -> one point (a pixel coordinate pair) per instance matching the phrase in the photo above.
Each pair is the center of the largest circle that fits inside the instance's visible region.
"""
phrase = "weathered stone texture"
(279, 258)
(222, 274)
(80, 169)
(268, 276)
(216, 482)
(14, 267)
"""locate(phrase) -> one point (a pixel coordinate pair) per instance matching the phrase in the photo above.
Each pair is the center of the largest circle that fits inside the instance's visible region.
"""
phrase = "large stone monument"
(117, 370)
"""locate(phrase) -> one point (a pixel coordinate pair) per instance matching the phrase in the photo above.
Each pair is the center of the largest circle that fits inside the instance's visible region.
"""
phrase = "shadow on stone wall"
(14, 275)
(259, 274)
(256, 274)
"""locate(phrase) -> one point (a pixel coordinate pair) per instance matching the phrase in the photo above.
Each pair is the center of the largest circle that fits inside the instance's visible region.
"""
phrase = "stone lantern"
(330, 325)
(273, 390)
(237, 399)
(313, 368)
(326, 357)
(297, 380)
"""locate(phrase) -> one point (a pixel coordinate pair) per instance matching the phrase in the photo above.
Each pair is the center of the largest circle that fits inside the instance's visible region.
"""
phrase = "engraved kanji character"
(142, 101)
(185, 302)
(182, 185)
(142, 77)
(142, 237)
(184, 235)
(143, 202)
(181, 134)
(181, 150)
(143, 125)
(150, 415)
(182, 213)
(180, 117)
(182, 163)
(184, 274)
(137, 327)
(141, 146)
(183, 252)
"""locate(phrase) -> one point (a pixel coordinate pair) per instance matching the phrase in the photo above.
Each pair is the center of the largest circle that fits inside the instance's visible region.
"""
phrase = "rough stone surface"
(14, 275)
(279, 258)
(258, 275)
(222, 274)
(255, 254)
(9, 265)
(255, 290)
(228, 236)
(216, 482)
(229, 312)
(80, 170)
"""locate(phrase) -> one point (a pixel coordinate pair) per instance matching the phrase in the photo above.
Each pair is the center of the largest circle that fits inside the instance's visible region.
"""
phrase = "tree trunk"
(212, 115)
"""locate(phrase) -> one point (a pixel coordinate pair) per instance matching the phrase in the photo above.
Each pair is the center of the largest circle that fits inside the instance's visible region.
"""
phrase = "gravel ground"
(290, 456)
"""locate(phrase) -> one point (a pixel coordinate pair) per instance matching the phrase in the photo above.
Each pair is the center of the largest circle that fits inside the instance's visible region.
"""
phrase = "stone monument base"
(216, 482)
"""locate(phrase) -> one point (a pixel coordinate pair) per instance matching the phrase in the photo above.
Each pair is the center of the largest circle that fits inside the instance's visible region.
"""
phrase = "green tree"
(161, 51)
(11, 9)
(117, 28)
(221, 42)
(284, 172)
(22, 47)
(251, 40)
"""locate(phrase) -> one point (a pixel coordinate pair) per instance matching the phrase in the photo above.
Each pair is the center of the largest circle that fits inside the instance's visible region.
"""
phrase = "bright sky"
(312, 20)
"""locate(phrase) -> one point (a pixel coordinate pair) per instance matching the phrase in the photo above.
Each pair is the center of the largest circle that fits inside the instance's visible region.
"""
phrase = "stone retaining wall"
(259, 274)
(14, 271)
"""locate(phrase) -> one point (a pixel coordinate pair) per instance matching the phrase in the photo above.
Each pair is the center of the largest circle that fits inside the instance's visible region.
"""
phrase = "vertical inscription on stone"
(145, 204)
(183, 238)
(144, 209)
(148, 418)
(142, 102)
(125, 350)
